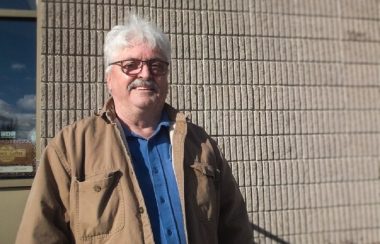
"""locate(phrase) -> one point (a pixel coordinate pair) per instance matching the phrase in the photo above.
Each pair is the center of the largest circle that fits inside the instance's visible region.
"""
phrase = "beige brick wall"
(289, 88)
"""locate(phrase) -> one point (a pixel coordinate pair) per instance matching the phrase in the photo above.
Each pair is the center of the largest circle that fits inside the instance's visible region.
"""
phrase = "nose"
(145, 72)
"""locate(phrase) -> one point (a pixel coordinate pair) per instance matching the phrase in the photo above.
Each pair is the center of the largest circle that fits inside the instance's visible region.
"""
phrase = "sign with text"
(7, 134)
(17, 158)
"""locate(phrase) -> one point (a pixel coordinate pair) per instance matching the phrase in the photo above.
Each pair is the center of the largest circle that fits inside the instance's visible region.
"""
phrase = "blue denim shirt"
(152, 163)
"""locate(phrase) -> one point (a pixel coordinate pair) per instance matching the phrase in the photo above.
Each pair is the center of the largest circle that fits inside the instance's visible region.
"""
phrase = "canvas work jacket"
(85, 189)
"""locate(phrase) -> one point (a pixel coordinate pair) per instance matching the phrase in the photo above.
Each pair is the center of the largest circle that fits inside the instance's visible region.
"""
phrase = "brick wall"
(290, 90)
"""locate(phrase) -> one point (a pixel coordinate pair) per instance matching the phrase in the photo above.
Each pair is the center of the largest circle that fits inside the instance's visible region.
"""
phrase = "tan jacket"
(85, 189)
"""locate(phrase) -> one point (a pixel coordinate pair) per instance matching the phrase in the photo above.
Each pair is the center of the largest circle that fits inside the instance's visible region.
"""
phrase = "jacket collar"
(108, 112)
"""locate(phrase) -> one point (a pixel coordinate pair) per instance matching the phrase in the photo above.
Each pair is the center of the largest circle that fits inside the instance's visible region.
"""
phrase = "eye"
(131, 64)
(157, 66)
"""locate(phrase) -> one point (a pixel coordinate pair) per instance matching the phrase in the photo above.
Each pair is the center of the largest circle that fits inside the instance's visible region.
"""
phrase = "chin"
(148, 103)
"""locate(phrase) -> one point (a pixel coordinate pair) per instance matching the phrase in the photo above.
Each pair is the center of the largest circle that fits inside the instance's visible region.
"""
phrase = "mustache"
(145, 83)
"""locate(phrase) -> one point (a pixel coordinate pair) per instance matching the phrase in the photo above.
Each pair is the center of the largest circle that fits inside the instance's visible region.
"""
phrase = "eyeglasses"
(134, 66)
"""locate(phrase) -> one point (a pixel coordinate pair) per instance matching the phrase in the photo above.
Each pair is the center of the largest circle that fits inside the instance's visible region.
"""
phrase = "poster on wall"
(17, 157)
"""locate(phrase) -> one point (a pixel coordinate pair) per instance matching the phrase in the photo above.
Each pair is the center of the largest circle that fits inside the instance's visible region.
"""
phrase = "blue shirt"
(152, 163)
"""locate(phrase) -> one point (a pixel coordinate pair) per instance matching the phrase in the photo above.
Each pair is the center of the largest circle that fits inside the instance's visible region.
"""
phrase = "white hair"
(135, 30)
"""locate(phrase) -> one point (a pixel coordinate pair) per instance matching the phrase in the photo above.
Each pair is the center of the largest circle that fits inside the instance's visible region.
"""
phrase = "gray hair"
(135, 30)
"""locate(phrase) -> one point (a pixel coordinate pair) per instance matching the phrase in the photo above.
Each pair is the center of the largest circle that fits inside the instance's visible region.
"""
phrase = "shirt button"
(97, 188)
(155, 170)
(162, 200)
(169, 232)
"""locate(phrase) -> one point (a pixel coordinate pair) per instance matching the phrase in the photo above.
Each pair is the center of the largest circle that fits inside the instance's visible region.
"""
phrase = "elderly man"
(139, 171)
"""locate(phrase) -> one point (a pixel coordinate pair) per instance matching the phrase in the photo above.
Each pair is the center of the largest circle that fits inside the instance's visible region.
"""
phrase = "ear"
(108, 81)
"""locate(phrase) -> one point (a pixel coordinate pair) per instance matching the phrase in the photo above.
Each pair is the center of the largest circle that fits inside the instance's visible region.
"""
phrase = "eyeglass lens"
(133, 67)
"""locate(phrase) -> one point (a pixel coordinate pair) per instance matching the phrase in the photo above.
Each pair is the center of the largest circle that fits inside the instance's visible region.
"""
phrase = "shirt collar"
(164, 122)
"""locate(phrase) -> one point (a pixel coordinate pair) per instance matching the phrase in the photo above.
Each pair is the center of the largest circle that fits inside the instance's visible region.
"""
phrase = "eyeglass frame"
(147, 62)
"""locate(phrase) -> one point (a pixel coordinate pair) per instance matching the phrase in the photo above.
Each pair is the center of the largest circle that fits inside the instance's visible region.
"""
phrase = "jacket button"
(141, 210)
(97, 188)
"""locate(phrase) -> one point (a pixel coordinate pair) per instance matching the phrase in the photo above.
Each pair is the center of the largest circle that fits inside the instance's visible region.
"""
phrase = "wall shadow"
(267, 234)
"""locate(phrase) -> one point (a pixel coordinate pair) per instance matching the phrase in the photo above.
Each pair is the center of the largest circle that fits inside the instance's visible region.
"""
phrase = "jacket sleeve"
(46, 214)
(234, 226)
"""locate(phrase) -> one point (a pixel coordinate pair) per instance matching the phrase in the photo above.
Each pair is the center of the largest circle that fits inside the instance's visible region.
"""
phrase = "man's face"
(122, 84)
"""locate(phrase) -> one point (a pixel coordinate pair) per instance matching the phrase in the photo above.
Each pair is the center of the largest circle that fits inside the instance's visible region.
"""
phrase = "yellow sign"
(9, 153)
(16, 152)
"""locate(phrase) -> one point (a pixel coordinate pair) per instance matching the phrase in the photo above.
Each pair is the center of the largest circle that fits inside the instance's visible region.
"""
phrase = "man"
(139, 171)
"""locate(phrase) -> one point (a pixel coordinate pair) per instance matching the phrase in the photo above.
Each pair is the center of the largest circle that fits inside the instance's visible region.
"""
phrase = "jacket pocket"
(206, 177)
(99, 205)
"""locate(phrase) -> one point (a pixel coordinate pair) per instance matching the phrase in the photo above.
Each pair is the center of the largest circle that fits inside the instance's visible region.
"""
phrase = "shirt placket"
(163, 200)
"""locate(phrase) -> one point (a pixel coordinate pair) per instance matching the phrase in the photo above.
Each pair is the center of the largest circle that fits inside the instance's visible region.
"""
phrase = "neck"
(140, 121)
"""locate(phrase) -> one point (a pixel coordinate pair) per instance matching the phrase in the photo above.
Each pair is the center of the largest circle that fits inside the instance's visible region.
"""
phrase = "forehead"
(140, 51)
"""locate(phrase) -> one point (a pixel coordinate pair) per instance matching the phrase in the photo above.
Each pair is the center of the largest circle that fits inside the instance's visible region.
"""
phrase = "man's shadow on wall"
(267, 234)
